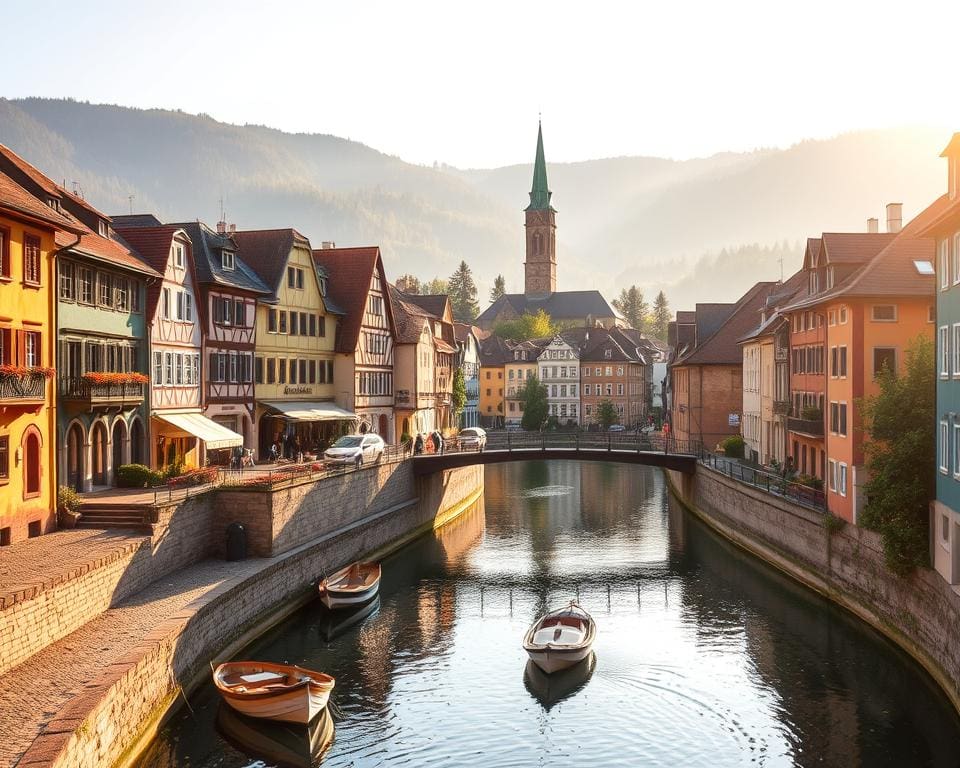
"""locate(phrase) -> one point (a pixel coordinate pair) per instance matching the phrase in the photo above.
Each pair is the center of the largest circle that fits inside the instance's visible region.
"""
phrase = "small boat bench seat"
(558, 634)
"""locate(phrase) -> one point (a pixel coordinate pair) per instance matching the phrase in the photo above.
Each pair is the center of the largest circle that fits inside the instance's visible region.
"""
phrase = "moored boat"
(354, 585)
(273, 691)
(277, 744)
(561, 638)
(550, 690)
(335, 623)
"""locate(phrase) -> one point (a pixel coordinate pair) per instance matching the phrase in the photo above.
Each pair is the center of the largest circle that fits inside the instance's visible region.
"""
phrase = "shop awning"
(214, 435)
(310, 411)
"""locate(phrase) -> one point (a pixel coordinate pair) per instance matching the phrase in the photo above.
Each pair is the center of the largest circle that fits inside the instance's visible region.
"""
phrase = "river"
(704, 656)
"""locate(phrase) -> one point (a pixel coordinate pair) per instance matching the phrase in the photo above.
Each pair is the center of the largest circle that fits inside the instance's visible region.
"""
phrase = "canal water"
(703, 656)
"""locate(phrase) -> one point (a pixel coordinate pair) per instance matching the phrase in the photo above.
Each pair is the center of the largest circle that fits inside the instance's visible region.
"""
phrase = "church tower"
(540, 268)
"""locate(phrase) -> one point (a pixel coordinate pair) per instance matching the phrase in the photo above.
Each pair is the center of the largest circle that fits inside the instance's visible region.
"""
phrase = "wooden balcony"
(23, 389)
(92, 395)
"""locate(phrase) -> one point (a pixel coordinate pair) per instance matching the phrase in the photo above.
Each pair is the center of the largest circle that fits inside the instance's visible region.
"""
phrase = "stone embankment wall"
(919, 613)
(115, 716)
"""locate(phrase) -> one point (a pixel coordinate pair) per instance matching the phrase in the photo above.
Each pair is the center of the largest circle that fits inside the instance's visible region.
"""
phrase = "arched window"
(31, 463)
(537, 243)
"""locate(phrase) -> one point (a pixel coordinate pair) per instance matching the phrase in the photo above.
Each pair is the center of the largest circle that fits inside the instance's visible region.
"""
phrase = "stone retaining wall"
(115, 716)
(919, 613)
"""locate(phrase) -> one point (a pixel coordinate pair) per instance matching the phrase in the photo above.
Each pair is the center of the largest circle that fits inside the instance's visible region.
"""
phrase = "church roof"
(561, 305)
(539, 193)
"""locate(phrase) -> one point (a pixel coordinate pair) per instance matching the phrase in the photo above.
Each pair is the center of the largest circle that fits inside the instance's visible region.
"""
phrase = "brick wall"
(918, 612)
(115, 715)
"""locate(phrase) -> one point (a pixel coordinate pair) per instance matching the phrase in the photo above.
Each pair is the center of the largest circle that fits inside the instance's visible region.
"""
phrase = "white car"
(355, 449)
(472, 438)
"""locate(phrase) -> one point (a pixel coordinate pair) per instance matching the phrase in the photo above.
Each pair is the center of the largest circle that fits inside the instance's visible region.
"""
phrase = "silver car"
(472, 439)
(355, 449)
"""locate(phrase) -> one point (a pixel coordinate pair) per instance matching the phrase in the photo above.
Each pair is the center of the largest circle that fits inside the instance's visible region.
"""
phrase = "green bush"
(811, 413)
(68, 500)
(405, 438)
(810, 481)
(137, 476)
(733, 446)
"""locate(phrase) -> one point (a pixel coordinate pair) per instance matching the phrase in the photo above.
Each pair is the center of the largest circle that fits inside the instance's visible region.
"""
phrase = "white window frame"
(956, 351)
(944, 452)
(842, 315)
(956, 450)
(842, 473)
(943, 338)
(178, 253)
(943, 263)
(833, 475)
(227, 260)
(956, 258)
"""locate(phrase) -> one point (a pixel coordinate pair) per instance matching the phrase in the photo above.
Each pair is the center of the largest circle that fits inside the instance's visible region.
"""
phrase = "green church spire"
(539, 193)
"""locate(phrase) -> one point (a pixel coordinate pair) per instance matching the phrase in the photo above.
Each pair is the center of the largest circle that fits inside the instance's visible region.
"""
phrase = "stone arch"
(75, 456)
(99, 452)
(119, 434)
(138, 451)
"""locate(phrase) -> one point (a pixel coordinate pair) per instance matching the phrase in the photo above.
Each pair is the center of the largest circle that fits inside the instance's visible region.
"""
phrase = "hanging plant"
(108, 377)
(22, 371)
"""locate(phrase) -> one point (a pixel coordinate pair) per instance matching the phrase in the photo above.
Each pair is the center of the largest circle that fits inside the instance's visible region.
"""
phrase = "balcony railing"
(23, 388)
(806, 426)
(102, 394)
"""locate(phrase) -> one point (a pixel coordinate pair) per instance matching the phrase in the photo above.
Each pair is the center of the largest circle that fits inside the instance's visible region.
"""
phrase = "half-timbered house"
(229, 290)
(365, 337)
(295, 331)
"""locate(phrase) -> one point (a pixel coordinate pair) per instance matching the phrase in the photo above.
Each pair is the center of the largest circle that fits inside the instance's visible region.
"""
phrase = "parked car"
(617, 428)
(355, 449)
(472, 438)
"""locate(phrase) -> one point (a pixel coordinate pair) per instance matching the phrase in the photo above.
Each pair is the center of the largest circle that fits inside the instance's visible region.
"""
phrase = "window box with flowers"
(24, 383)
(104, 387)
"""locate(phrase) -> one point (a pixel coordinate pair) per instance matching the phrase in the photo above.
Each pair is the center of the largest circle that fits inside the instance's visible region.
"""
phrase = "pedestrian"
(437, 441)
(274, 452)
(418, 444)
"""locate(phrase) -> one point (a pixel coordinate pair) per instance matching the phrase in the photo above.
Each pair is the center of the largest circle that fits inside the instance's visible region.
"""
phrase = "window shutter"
(213, 366)
(21, 347)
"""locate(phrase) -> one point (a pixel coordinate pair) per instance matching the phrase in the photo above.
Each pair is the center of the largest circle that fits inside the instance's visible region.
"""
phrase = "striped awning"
(319, 411)
(214, 435)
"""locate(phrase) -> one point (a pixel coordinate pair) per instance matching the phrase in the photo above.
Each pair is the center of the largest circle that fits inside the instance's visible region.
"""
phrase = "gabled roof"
(853, 247)
(349, 275)
(780, 297)
(266, 252)
(561, 306)
(110, 250)
(494, 351)
(435, 303)
(620, 347)
(152, 243)
(462, 331)
(207, 247)
(812, 252)
(408, 318)
(17, 200)
(722, 347)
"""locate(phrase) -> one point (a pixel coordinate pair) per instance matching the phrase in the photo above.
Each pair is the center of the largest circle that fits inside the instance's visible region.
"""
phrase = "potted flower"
(110, 377)
(8, 371)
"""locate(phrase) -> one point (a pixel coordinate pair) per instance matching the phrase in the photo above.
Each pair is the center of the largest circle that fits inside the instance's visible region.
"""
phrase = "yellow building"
(296, 331)
(30, 234)
(520, 366)
(494, 356)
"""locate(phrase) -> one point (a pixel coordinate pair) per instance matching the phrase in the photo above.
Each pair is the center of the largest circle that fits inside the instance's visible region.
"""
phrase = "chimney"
(873, 226)
(894, 217)
(233, 229)
(327, 245)
(221, 227)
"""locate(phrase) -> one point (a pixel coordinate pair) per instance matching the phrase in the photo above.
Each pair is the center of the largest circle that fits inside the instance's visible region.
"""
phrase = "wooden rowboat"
(550, 690)
(273, 691)
(560, 638)
(354, 585)
(277, 744)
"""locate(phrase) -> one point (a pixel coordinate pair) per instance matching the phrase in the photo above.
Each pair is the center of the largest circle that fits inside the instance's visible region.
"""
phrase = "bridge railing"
(768, 482)
(634, 442)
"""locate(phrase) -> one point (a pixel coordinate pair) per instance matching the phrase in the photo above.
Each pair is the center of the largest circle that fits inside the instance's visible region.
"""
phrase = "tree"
(661, 317)
(408, 284)
(527, 327)
(607, 414)
(900, 444)
(463, 294)
(459, 397)
(499, 288)
(633, 307)
(434, 287)
(533, 400)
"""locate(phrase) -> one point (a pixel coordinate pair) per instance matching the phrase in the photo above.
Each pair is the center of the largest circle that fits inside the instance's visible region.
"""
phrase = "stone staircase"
(115, 515)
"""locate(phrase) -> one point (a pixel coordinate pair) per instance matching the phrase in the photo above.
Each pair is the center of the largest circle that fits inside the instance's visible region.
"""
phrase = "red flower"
(108, 377)
(19, 371)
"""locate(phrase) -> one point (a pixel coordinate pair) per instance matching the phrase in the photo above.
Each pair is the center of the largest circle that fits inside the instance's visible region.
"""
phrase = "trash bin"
(236, 542)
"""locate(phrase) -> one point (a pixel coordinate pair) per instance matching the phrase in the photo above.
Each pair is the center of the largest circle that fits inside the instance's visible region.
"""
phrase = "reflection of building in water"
(460, 535)
(613, 492)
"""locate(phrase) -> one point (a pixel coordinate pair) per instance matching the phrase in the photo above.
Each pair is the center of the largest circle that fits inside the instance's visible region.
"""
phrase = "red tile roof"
(153, 243)
(853, 247)
(349, 275)
(17, 200)
(109, 250)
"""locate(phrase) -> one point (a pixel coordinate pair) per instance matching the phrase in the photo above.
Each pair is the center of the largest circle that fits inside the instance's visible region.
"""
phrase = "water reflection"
(706, 658)
(277, 744)
(550, 690)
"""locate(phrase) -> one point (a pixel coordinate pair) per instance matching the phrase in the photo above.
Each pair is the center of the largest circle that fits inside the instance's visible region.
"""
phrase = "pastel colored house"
(28, 246)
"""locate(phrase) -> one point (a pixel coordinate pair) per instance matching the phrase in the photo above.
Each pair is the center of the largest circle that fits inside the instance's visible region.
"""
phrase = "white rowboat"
(273, 691)
(351, 586)
(560, 638)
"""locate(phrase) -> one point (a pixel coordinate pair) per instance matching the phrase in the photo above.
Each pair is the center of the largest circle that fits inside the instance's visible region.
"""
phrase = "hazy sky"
(463, 84)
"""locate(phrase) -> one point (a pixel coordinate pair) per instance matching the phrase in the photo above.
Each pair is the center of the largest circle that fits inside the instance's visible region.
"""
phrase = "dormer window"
(830, 278)
(226, 260)
(178, 254)
(323, 286)
(103, 228)
(52, 202)
(607, 354)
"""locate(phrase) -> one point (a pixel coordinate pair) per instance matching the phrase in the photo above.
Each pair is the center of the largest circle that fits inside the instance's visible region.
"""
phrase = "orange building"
(494, 356)
(30, 233)
(869, 296)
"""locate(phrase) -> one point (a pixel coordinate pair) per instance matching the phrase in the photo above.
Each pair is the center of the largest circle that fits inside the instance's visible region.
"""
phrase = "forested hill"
(683, 226)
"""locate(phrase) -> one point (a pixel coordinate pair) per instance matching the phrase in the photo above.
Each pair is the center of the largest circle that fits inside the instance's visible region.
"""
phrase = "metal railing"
(279, 475)
(768, 482)
(25, 387)
(84, 389)
(626, 441)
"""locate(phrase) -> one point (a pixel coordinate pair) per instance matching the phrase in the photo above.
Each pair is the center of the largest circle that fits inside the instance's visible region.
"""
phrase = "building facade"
(28, 476)
(364, 363)
(468, 361)
(614, 369)
(520, 366)
(495, 353)
(559, 371)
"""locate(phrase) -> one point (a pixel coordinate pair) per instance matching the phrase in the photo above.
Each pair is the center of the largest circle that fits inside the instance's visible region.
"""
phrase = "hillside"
(660, 223)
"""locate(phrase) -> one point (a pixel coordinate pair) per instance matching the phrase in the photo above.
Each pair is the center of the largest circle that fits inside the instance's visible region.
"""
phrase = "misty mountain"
(684, 226)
